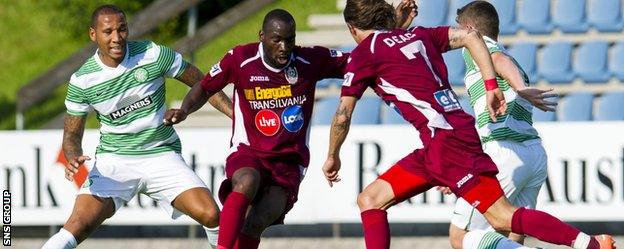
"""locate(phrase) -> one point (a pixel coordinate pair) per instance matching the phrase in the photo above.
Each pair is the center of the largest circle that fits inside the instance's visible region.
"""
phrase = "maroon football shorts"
(283, 172)
(452, 158)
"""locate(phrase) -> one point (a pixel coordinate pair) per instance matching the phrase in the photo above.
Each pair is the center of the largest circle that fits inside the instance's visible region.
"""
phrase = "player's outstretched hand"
(174, 116)
(330, 169)
(444, 190)
(74, 165)
(537, 97)
(405, 13)
(495, 101)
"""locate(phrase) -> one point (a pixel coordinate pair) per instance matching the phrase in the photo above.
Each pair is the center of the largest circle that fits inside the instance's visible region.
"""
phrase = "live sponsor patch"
(267, 122)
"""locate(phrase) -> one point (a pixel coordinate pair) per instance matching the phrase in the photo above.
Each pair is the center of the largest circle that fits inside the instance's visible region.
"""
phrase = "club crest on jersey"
(447, 99)
(140, 75)
(267, 122)
(292, 118)
(291, 75)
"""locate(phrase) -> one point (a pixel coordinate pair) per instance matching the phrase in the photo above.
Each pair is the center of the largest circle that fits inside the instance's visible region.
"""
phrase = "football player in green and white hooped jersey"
(124, 83)
(511, 141)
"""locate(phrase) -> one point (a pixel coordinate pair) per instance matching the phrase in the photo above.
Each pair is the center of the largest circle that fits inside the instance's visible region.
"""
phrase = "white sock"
(480, 239)
(212, 234)
(61, 240)
(581, 241)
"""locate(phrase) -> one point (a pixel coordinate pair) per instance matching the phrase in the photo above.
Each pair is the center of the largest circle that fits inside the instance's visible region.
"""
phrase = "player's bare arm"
(507, 69)
(219, 101)
(72, 143)
(337, 134)
(473, 41)
(193, 100)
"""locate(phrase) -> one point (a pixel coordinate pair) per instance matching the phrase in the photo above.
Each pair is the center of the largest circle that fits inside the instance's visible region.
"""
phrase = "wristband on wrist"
(490, 84)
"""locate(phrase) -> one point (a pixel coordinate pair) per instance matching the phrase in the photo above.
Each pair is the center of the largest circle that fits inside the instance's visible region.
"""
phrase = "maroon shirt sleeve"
(335, 63)
(439, 36)
(360, 73)
(222, 73)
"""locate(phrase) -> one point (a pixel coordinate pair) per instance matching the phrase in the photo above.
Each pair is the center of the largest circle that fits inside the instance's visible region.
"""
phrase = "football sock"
(376, 229)
(232, 218)
(212, 234)
(547, 228)
(61, 240)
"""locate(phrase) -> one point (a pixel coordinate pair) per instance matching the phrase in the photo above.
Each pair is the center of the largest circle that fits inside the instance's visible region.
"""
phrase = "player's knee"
(456, 239)
(80, 228)
(246, 180)
(367, 201)
(500, 223)
(210, 217)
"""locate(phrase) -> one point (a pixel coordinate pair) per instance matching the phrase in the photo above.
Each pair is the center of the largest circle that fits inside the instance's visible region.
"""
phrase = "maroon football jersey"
(405, 68)
(273, 106)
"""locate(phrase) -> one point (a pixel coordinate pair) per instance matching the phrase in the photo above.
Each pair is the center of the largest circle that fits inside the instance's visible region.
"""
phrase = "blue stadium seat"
(590, 62)
(324, 110)
(456, 67)
(555, 62)
(452, 11)
(506, 16)
(464, 101)
(431, 13)
(576, 106)
(525, 55)
(616, 61)
(391, 116)
(542, 116)
(534, 16)
(610, 107)
(367, 111)
(569, 16)
(606, 15)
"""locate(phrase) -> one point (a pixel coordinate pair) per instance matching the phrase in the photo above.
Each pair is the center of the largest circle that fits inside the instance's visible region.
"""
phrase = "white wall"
(595, 148)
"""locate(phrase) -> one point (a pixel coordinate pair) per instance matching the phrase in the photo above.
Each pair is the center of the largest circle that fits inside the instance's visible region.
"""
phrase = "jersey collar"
(276, 70)
(123, 62)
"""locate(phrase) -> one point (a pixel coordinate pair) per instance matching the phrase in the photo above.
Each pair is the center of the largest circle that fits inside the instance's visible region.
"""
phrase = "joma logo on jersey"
(255, 78)
(132, 107)
(464, 180)
(259, 93)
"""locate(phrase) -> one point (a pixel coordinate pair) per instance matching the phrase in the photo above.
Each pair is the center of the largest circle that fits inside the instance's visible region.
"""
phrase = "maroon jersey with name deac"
(273, 107)
(405, 68)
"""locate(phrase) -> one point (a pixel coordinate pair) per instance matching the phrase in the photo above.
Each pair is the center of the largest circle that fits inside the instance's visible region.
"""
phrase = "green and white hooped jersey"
(129, 99)
(517, 124)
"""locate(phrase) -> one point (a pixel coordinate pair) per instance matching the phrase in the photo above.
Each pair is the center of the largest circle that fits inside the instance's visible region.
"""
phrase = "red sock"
(232, 218)
(376, 229)
(245, 241)
(546, 228)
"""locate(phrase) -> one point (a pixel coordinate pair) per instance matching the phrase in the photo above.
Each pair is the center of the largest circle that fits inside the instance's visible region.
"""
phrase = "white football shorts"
(522, 171)
(161, 176)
